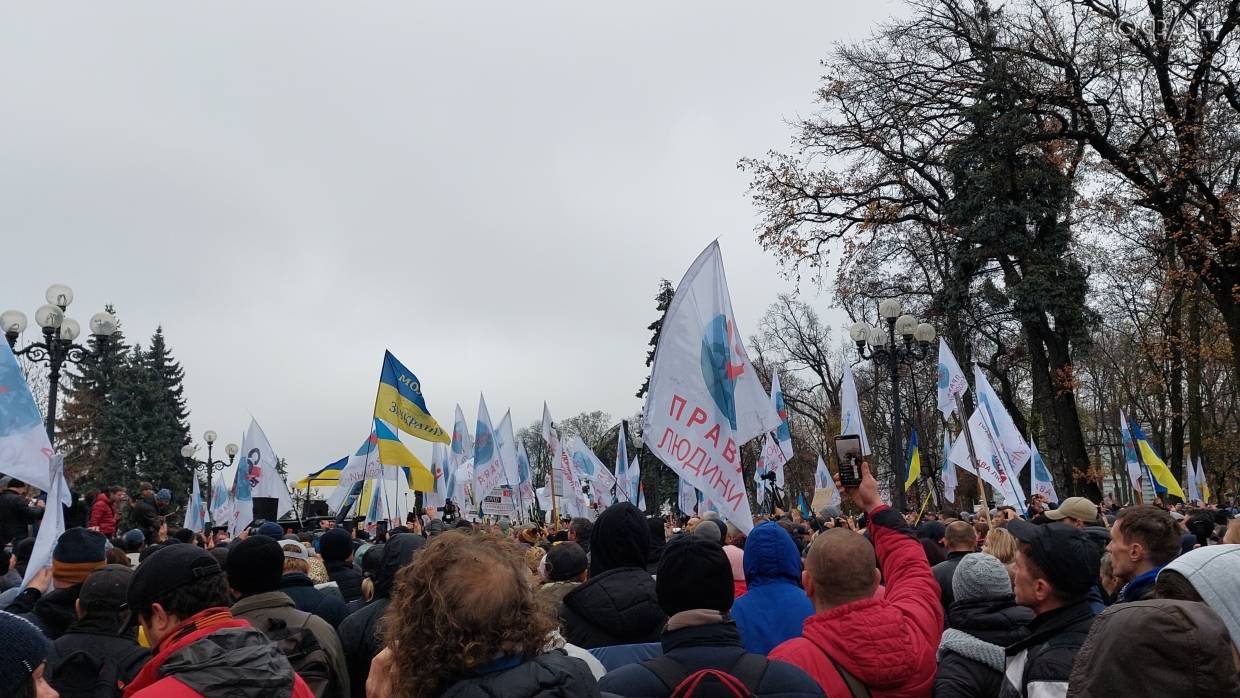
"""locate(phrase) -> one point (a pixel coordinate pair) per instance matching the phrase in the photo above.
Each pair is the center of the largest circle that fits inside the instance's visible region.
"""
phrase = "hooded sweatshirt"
(775, 606)
(1213, 571)
(618, 605)
(359, 635)
(887, 641)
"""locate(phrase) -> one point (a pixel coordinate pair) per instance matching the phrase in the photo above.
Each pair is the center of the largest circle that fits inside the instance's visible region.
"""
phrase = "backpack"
(81, 674)
(740, 681)
(304, 652)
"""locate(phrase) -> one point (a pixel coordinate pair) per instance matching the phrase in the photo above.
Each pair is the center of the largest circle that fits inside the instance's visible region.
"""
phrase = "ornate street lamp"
(878, 344)
(209, 465)
(57, 347)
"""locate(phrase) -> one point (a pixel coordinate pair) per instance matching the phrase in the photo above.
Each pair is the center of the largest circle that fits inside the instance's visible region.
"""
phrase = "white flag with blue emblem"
(195, 512)
(25, 451)
(824, 485)
(1040, 480)
(590, 468)
(850, 411)
(488, 467)
(784, 432)
(952, 383)
(950, 481)
(705, 399)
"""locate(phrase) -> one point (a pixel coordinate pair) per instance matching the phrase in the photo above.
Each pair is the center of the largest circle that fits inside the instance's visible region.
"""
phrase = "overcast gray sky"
(491, 190)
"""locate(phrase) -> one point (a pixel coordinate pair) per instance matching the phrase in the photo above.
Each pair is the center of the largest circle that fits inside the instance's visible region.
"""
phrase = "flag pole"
(968, 439)
(555, 514)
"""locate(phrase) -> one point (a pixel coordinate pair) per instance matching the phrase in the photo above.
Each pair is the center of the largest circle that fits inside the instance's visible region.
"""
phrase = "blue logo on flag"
(721, 365)
(18, 412)
(584, 463)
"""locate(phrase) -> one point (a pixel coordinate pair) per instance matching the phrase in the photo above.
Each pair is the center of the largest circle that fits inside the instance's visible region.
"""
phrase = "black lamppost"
(878, 344)
(209, 465)
(57, 347)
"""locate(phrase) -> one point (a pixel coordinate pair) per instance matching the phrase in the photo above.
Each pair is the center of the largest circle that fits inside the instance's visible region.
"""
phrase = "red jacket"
(219, 674)
(887, 641)
(103, 515)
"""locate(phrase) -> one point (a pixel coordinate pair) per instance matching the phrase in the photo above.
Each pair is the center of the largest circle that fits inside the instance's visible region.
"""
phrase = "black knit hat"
(694, 573)
(255, 565)
(620, 538)
(25, 648)
(336, 545)
(80, 545)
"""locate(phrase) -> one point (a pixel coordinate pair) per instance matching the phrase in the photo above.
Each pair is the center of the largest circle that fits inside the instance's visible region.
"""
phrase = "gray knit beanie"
(979, 577)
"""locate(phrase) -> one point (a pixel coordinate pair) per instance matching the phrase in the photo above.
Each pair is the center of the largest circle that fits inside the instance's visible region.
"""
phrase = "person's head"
(133, 540)
(336, 546)
(732, 535)
(579, 530)
(271, 529)
(712, 530)
(22, 661)
(841, 568)
(326, 524)
(981, 577)
(255, 565)
(16, 485)
(163, 496)
(620, 538)
(296, 559)
(78, 552)
(1055, 565)
(959, 537)
(1156, 647)
(184, 535)
(174, 584)
(468, 593)
(146, 489)
(565, 562)
(1075, 511)
(115, 493)
(1001, 544)
(1207, 575)
(103, 595)
(1106, 575)
(1232, 536)
(1144, 537)
(981, 528)
(694, 573)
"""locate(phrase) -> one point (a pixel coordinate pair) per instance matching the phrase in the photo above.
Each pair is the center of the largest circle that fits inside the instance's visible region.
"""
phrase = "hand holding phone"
(848, 455)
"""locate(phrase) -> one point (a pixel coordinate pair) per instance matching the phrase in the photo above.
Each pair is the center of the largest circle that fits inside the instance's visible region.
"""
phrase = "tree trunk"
(1173, 449)
(1194, 375)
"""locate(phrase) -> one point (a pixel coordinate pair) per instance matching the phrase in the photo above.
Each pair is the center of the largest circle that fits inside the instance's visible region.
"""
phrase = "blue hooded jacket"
(774, 607)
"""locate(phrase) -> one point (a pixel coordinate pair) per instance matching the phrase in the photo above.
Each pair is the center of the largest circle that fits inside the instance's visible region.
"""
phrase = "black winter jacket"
(710, 646)
(306, 598)
(943, 573)
(346, 577)
(618, 607)
(143, 515)
(551, 675)
(55, 611)
(16, 516)
(971, 653)
(1045, 657)
(97, 638)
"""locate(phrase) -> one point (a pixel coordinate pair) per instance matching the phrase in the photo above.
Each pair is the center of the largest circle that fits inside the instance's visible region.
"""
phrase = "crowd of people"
(1077, 599)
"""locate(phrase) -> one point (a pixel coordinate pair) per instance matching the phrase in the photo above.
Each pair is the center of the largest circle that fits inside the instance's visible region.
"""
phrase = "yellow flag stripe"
(403, 414)
(1160, 470)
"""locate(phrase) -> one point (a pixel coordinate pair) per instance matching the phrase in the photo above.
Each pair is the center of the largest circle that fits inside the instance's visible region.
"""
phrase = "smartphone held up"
(848, 453)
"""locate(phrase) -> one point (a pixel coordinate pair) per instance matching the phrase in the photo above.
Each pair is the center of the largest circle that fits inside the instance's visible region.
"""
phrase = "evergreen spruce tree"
(660, 482)
(164, 422)
(89, 396)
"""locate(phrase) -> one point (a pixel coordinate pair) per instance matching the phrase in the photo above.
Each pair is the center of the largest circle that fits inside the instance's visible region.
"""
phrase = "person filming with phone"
(861, 641)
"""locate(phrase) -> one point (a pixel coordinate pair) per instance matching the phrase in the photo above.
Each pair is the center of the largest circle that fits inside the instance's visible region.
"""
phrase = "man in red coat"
(884, 640)
(103, 510)
(181, 598)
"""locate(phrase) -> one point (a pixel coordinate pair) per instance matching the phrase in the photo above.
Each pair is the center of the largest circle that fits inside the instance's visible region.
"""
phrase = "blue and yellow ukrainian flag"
(1158, 469)
(913, 467)
(326, 476)
(399, 402)
(392, 453)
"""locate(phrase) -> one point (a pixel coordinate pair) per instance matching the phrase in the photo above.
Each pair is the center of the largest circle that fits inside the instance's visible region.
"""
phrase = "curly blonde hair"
(462, 602)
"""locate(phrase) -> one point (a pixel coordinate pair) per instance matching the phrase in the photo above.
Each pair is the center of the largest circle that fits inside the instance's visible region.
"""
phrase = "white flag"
(850, 411)
(260, 460)
(590, 468)
(53, 522)
(1014, 449)
(949, 469)
(487, 466)
(623, 481)
(1203, 486)
(506, 441)
(439, 468)
(823, 481)
(686, 497)
(547, 423)
(635, 472)
(362, 465)
(783, 433)
(705, 399)
(1190, 483)
(525, 476)
(221, 503)
(1040, 480)
(952, 383)
(989, 463)
(1131, 459)
(195, 512)
(25, 452)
